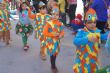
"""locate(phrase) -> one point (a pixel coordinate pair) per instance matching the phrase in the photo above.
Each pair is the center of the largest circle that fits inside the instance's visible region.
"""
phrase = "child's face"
(4, 6)
(55, 16)
(91, 25)
(43, 11)
(23, 6)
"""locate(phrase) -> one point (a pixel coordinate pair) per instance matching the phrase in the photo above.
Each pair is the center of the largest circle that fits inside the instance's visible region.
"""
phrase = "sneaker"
(55, 70)
(25, 48)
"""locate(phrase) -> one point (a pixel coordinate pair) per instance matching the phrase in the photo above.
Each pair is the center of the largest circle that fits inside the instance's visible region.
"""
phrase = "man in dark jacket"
(101, 6)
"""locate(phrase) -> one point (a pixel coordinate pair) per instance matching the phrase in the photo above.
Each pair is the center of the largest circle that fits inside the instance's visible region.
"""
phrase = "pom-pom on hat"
(91, 15)
(79, 16)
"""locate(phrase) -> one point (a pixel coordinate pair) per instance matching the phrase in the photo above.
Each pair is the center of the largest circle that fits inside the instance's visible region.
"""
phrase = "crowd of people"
(50, 20)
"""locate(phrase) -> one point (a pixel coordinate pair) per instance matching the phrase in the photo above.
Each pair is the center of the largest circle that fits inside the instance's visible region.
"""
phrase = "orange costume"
(40, 23)
(52, 28)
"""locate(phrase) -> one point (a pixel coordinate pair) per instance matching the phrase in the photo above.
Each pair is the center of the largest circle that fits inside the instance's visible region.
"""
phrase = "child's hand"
(28, 8)
(61, 36)
(95, 40)
(92, 38)
(108, 15)
(56, 34)
(2, 19)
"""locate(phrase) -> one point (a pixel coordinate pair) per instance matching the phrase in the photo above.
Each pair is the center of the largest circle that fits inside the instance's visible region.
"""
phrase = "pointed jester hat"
(91, 15)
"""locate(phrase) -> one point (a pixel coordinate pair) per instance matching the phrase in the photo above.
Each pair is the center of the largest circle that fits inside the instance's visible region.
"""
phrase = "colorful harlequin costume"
(7, 13)
(40, 23)
(51, 29)
(1, 22)
(87, 52)
(4, 26)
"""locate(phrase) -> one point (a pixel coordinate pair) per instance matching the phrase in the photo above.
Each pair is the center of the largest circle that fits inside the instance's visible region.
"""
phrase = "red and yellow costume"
(40, 23)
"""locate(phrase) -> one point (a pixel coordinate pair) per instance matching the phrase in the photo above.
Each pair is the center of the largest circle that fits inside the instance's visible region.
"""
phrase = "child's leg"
(42, 49)
(9, 26)
(53, 60)
(7, 37)
(3, 36)
(0, 35)
(53, 64)
(42, 52)
(24, 40)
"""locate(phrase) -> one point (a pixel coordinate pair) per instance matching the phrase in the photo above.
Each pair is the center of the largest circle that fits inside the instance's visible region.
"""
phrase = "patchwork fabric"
(40, 23)
(87, 55)
(53, 43)
(4, 24)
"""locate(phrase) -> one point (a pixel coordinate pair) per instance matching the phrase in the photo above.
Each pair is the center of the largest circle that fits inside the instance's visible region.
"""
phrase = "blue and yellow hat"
(91, 15)
(55, 9)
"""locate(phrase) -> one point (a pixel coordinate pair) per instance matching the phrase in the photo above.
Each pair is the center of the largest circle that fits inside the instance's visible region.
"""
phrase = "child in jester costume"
(6, 33)
(87, 42)
(40, 18)
(24, 27)
(8, 16)
(4, 26)
(1, 21)
(53, 31)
